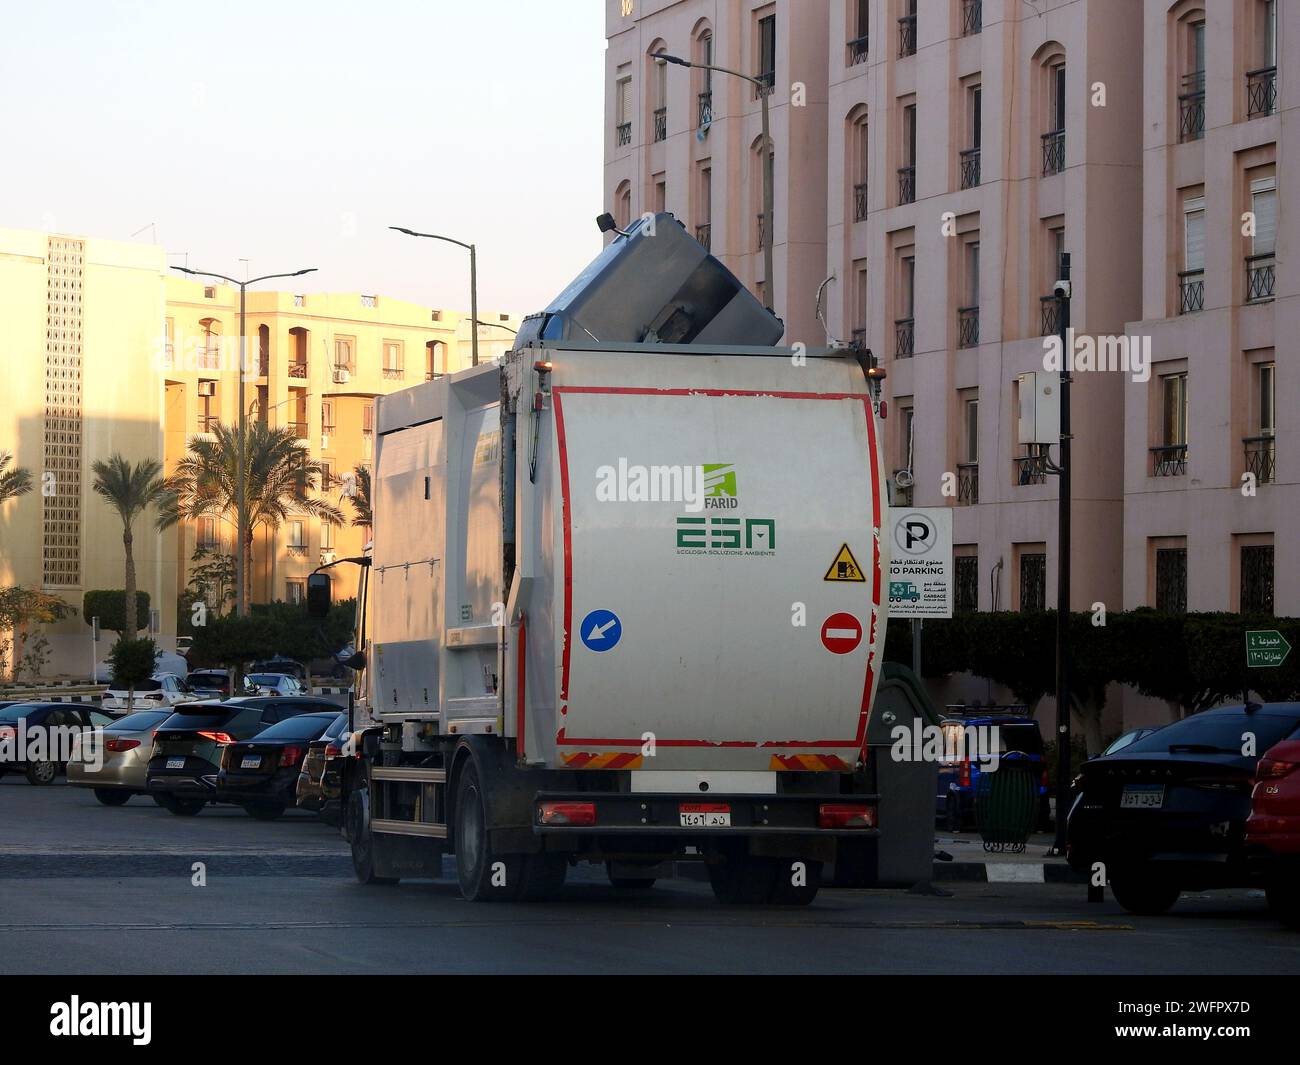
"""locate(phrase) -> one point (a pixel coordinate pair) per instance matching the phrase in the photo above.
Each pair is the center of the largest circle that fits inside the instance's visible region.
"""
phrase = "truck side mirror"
(318, 595)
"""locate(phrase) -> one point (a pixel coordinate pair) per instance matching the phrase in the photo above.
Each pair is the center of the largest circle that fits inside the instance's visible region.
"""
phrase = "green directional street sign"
(1266, 648)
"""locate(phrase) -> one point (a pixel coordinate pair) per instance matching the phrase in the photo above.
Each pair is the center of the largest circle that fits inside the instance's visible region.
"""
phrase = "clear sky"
(292, 132)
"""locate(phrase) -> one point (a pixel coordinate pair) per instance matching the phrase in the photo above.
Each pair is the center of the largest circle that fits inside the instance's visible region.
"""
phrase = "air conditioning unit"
(324, 441)
(327, 557)
(341, 376)
(207, 388)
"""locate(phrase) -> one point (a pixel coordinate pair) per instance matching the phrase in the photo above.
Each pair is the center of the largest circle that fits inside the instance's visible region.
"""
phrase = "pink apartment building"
(933, 158)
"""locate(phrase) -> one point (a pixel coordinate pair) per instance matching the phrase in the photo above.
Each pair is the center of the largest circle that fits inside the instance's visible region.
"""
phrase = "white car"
(160, 690)
(274, 684)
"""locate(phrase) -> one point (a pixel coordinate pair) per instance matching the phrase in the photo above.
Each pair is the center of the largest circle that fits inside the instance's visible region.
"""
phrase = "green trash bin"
(1006, 804)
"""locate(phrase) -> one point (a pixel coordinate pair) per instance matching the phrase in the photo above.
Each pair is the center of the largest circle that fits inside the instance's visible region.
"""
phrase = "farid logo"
(711, 485)
(720, 486)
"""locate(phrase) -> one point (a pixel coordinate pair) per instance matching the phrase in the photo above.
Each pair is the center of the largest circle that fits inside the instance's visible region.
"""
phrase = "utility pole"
(1063, 295)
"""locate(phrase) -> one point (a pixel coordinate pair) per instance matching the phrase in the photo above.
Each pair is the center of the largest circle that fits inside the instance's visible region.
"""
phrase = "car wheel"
(1283, 894)
(112, 796)
(42, 773)
(1143, 891)
(363, 852)
(180, 807)
(264, 811)
(952, 814)
(484, 875)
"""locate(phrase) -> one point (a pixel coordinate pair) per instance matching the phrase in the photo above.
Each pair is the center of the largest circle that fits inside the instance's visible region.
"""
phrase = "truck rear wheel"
(484, 875)
(741, 879)
(363, 844)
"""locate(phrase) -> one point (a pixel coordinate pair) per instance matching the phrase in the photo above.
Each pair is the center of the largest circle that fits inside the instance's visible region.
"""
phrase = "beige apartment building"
(964, 145)
(105, 351)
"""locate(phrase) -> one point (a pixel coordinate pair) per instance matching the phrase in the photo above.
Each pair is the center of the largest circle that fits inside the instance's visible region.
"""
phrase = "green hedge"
(107, 606)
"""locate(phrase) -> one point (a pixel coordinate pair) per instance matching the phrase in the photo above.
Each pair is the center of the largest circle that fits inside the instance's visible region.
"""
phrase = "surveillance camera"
(1062, 290)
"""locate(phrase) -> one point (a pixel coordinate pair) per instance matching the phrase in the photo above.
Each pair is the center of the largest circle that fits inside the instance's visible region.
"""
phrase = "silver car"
(125, 747)
(275, 684)
(162, 689)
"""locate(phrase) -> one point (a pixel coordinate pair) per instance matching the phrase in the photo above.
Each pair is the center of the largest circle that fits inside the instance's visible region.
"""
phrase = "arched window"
(623, 204)
(702, 56)
(857, 160)
(657, 97)
(1050, 105)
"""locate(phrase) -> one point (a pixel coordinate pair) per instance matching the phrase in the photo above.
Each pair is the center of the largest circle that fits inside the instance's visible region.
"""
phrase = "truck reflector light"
(846, 815)
(566, 813)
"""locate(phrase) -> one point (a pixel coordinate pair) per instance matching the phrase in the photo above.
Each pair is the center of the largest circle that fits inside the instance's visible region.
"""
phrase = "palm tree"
(15, 482)
(360, 497)
(130, 490)
(278, 473)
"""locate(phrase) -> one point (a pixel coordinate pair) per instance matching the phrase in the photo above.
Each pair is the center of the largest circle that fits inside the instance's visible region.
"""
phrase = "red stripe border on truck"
(558, 393)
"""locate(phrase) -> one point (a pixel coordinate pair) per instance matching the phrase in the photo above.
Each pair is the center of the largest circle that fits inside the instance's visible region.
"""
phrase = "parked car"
(1125, 738)
(1167, 813)
(320, 780)
(1273, 828)
(20, 720)
(275, 684)
(1019, 738)
(127, 748)
(182, 773)
(209, 683)
(280, 664)
(261, 774)
(162, 689)
(183, 645)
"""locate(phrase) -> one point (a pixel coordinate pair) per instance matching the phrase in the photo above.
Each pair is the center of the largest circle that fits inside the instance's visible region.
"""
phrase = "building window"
(1191, 97)
(1261, 83)
(208, 539)
(1033, 581)
(327, 536)
(1171, 580)
(903, 475)
(704, 208)
(295, 592)
(968, 470)
(859, 32)
(660, 113)
(965, 599)
(972, 17)
(661, 193)
(1050, 306)
(968, 317)
(907, 30)
(1261, 448)
(907, 172)
(1191, 279)
(766, 72)
(1260, 267)
(623, 205)
(297, 534)
(1169, 457)
(1054, 138)
(969, 158)
(394, 360)
(704, 99)
(370, 301)
(623, 109)
(343, 353)
(1257, 579)
(300, 301)
(904, 324)
(860, 166)
(209, 292)
(327, 416)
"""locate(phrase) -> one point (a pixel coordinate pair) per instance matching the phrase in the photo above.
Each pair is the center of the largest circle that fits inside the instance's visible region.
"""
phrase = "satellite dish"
(903, 478)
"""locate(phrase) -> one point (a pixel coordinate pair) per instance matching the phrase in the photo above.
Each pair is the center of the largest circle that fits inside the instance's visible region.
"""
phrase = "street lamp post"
(769, 234)
(473, 283)
(241, 501)
(1063, 295)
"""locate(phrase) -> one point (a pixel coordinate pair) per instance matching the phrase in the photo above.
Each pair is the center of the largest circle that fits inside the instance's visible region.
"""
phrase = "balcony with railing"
(661, 123)
(906, 36)
(704, 108)
(860, 202)
(704, 234)
(210, 357)
(857, 51)
(968, 484)
(299, 429)
(761, 230)
(766, 83)
(1191, 107)
(904, 337)
(1261, 457)
(1050, 311)
(906, 184)
(1260, 275)
(969, 161)
(394, 373)
(968, 327)
(972, 17)
(208, 423)
(297, 550)
(1031, 467)
(298, 370)
(1191, 291)
(624, 132)
(1169, 460)
(858, 338)
(1261, 92)
(1053, 152)
(431, 375)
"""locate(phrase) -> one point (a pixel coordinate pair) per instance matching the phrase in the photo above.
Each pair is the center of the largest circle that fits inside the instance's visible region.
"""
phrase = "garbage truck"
(623, 603)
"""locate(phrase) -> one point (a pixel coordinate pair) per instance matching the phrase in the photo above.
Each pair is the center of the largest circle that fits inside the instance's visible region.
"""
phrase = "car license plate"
(251, 763)
(705, 815)
(1142, 797)
(175, 763)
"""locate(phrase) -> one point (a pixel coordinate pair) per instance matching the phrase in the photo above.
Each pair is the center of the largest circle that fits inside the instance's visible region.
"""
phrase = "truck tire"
(484, 875)
(363, 851)
(629, 883)
(784, 890)
(1143, 891)
(543, 877)
(742, 879)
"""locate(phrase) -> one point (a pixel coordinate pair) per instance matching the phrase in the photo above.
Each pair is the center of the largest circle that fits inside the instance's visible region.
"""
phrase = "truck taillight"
(1273, 768)
(566, 813)
(846, 815)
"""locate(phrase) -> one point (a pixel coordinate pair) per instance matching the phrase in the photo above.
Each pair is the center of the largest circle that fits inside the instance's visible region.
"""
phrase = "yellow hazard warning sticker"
(845, 567)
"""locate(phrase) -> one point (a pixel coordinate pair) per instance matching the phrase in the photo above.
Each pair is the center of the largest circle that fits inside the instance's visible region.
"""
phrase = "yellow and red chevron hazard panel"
(813, 762)
(596, 760)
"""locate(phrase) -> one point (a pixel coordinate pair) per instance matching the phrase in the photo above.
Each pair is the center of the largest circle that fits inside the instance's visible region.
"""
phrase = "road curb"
(1008, 872)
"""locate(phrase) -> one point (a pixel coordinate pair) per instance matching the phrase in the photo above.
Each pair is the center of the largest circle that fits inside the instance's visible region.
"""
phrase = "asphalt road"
(89, 889)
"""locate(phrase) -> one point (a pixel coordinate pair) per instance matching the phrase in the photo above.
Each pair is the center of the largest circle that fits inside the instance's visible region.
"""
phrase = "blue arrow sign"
(600, 630)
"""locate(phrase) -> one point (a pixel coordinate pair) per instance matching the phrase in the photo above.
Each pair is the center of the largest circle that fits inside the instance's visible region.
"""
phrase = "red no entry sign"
(841, 633)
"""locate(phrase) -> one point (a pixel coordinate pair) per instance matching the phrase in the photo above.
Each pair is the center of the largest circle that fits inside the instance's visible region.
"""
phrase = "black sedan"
(261, 774)
(1167, 813)
(37, 738)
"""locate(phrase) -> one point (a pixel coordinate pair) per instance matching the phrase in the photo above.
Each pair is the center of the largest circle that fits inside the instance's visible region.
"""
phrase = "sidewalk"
(970, 861)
